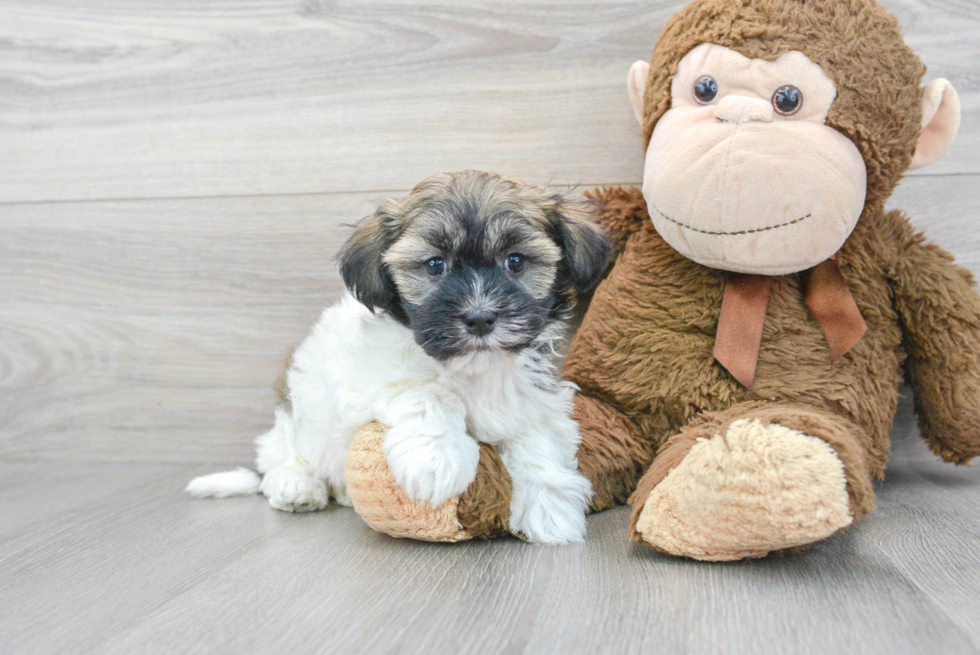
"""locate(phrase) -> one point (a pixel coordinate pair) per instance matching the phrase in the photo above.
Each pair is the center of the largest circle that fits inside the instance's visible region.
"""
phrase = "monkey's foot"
(746, 492)
(481, 511)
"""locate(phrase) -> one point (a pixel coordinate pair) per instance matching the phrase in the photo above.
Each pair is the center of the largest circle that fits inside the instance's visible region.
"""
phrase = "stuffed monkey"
(739, 366)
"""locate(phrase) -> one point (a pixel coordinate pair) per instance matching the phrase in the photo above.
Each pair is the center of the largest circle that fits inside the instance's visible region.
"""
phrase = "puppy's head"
(472, 261)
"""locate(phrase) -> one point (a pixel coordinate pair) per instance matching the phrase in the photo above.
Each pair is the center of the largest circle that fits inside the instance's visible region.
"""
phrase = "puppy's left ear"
(587, 249)
(361, 265)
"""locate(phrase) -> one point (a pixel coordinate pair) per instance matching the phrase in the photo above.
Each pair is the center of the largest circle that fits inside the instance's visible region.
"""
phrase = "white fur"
(356, 367)
(240, 482)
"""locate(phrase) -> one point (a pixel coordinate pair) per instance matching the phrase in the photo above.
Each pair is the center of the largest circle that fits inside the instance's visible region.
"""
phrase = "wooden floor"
(175, 178)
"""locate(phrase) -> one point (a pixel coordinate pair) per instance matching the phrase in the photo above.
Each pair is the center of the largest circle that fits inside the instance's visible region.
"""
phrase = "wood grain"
(175, 180)
(145, 569)
(36, 496)
(123, 99)
(127, 324)
(153, 330)
(927, 524)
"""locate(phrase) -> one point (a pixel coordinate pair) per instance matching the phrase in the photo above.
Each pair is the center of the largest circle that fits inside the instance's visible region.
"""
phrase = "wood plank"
(125, 324)
(604, 596)
(927, 527)
(154, 330)
(149, 570)
(122, 99)
(927, 523)
(942, 207)
(115, 558)
(37, 495)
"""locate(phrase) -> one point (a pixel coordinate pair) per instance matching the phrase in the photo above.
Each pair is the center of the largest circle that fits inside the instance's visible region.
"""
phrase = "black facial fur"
(439, 321)
(473, 222)
(478, 279)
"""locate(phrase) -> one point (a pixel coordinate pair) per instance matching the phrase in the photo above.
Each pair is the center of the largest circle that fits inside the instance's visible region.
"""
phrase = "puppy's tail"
(240, 482)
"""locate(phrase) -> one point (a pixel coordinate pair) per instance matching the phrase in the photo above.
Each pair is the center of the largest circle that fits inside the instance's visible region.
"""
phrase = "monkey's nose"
(742, 109)
(479, 322)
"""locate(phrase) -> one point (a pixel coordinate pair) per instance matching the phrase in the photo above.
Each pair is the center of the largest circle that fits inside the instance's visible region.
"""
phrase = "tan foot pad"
(757, 489)
(379, 500)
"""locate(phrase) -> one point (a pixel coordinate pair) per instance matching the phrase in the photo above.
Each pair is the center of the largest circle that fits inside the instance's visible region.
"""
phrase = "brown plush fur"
(643, 357)
(485, 506)
(613, 453)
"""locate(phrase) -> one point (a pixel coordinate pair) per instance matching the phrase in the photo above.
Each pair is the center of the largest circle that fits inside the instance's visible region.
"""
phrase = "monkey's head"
(772, 126)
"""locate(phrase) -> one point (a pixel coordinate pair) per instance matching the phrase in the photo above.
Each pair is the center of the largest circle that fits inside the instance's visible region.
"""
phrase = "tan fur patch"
(755, 489)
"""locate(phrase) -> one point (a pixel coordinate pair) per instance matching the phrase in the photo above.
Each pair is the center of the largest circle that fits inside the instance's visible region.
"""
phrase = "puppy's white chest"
(499, 405)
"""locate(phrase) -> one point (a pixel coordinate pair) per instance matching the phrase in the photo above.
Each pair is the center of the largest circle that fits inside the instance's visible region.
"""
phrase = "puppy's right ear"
(361, 266)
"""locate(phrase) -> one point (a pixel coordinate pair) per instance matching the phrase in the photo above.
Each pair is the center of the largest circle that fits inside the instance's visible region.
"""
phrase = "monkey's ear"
(361, 266)
(636, 84)
(940, 120)
(586, 247)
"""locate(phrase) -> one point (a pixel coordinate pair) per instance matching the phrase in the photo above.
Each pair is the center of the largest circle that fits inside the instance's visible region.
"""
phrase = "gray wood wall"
(175, 178)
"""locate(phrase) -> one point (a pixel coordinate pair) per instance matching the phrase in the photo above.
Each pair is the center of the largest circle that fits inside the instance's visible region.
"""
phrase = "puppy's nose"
(479, 322)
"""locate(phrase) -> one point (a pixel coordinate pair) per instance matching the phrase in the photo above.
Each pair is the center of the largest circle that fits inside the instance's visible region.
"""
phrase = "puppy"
(457, 297)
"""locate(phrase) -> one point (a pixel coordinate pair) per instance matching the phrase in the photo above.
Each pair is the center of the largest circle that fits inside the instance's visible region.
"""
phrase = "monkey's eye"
(435, 266)
(705, 89)
(515, 262)
(787, 100)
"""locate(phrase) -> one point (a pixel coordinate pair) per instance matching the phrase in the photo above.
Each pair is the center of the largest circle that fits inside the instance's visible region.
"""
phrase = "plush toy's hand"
(621, 211)
(482, 511)
(940, 312)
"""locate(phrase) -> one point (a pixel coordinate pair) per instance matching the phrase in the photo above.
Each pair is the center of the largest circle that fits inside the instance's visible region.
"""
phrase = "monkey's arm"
(940, 312)
(622, 211)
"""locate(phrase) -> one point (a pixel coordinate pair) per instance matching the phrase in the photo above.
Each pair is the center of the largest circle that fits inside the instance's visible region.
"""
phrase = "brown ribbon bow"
(743, 312)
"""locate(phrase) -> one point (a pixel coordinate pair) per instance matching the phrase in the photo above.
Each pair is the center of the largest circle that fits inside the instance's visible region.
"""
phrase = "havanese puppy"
(457, 300)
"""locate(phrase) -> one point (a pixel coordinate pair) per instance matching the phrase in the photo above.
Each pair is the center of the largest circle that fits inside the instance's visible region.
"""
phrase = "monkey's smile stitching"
(758, 229)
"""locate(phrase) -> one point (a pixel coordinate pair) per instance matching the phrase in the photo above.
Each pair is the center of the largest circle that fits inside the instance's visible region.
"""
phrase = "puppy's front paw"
(552, 512)
(291, 490)
(431, 469)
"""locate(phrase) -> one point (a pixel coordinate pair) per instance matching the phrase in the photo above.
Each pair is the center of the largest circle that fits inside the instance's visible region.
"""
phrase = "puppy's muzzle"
(480, 322)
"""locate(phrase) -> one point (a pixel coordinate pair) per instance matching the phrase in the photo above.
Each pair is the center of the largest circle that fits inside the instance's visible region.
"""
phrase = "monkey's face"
(742, 174)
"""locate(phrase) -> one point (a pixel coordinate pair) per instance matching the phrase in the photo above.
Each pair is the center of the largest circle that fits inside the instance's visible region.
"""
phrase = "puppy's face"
(472, 261)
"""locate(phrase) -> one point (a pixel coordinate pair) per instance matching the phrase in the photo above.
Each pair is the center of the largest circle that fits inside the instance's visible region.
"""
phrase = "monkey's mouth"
(723, 234)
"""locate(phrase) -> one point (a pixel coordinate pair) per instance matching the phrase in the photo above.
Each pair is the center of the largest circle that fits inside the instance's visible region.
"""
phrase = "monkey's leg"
(752, 480)
(613, 454)
(481, 511)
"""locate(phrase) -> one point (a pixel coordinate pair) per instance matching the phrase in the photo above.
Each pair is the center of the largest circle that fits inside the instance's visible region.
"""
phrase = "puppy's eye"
(435, 266)
(787, 100)
(515, 262)
(705, 89)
